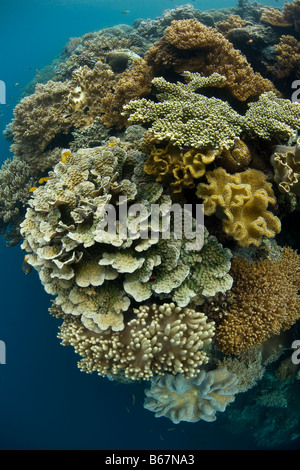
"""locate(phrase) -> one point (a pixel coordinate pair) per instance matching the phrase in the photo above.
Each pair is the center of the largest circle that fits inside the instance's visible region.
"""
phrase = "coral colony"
(190, 109)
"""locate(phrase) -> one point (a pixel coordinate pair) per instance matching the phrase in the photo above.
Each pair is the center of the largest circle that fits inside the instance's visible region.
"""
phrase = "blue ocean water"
(45, 401)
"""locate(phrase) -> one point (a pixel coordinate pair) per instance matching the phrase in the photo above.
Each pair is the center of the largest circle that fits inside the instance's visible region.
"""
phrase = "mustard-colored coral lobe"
(244, 199)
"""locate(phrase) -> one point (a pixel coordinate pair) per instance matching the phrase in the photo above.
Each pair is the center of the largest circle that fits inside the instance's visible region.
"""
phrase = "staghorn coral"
(158, 339)
(243, 199)
(181, 399)
(188, 45)
(286, 163)
(185, 118)
(131, 84)
(265, 301)
(180, 167)
(78, 252)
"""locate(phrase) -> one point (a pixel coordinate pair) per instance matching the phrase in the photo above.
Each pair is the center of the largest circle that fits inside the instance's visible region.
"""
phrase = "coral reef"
(191, 400)
(265, 302)
(188, 45)
(178, 166)
(243, 199)
(72, 245)
(159, 339)
(286, 163)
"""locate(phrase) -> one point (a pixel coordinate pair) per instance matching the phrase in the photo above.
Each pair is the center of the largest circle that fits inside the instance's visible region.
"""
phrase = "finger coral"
(286, 163)
(78, 250)
(190, 45)
(159, 339)
(195, 399)
(243, 198)
(264, 302)
(178, 166)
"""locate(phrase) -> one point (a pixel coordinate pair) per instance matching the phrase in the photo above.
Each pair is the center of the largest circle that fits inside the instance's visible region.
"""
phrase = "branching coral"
(288, 57)
(189, 45)
(286, 163)
(191, 400)
(233, 21)
(78, 250)
(244, 199)
(265, 302)
(179, 167)
(186, 118)
(289, 16)
(158, 339)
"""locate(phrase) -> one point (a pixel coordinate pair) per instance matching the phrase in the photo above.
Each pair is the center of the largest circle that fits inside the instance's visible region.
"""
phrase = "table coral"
(190, 45)
(158, 339)
(199, 398)
(288, 17)
(243, 199)
(265, 302)
(186, 118)
(94, 268)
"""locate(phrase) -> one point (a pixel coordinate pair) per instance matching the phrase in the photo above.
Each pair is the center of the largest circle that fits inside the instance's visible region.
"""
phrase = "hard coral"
(288, 57)
(243, 199)
(159, 339)
(181, 399)
(78, 253)
(265, 302)
(288, 17)
(188, 45)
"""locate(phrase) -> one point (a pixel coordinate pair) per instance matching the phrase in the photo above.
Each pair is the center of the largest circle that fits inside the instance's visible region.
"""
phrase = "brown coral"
(233, 21)
(244, 199)
(158, 339)
(180, 167)
(188, 45)
(131, 84)
(288, 57)
(286, 163)
(265, 302)
(288, 17)
(235, 159)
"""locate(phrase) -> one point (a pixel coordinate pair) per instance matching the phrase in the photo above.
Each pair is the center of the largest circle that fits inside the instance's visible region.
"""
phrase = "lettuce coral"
(264, 302)
(286, 163)
(195, 399)
(78, 256)
(244, 199)
(159, 339)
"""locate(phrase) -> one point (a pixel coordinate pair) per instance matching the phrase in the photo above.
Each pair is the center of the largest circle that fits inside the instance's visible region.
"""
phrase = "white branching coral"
(159, 339)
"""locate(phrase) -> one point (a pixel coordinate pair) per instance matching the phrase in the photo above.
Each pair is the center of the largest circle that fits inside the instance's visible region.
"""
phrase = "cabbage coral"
(95, 270)
(181, 399)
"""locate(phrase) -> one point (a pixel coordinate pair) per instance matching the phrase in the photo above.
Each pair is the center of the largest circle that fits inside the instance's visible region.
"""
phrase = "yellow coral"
(244, 199)
(286, 164)
(182, 165)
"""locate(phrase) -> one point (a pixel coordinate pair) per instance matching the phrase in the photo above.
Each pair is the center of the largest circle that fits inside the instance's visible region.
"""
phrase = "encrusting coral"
(179, 167)
(286, 163)
(199, 398)
(264, 302)
(158, 339)
(188, 45)
(243, 199)
(78, 252)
